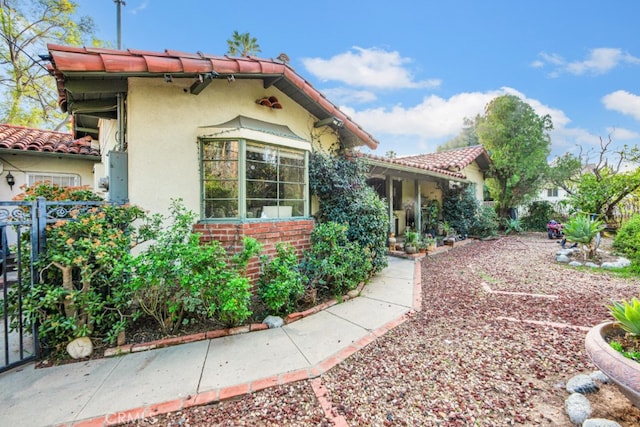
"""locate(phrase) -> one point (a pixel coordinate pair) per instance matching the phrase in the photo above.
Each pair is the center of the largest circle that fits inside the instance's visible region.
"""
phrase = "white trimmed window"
(552, 192)
(61, 179)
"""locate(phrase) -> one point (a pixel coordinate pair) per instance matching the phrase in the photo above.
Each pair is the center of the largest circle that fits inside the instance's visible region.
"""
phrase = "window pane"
(220, 178)
(262, 189)
(62, 180)
(274, 186)
(292, 191)
(292, 174)
(275, 181)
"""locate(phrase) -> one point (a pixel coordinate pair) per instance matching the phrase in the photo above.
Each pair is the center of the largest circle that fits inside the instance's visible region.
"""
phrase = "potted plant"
(614, 347)
(429, 242)
(410, 242)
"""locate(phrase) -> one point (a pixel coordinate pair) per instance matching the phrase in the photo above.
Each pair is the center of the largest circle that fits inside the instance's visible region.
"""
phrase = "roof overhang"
(50, 154)
(90, 79)
(384, 168)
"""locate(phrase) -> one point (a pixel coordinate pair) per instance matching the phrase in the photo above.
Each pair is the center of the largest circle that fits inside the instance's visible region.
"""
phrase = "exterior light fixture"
(333, 121)
(11, 180)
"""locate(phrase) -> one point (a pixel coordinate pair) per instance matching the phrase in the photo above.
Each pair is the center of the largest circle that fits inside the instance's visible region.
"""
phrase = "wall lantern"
(11, 180)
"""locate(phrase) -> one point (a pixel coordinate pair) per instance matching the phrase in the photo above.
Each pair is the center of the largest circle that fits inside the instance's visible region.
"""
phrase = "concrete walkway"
(119, 389)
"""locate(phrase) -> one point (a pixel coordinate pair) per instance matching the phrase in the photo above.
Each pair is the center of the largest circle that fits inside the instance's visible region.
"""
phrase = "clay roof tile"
(29, 139)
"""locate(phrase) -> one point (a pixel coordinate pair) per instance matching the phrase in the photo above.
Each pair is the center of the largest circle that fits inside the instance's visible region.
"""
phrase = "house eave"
(378, 167)
(75, 67)
(50, 154)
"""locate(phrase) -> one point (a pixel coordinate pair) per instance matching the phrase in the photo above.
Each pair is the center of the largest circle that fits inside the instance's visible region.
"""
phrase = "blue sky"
(410, 71)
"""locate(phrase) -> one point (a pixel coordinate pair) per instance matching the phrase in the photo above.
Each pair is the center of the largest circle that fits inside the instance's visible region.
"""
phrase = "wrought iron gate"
(22, 242)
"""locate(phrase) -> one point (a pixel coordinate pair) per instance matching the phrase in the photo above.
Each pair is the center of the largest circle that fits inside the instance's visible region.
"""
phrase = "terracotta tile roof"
(452, 160)
(68, 62)
(448, 163)
(29, 139)
(399, 161)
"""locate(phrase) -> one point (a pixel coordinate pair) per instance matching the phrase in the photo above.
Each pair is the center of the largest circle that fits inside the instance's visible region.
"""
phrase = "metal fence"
(22, 241)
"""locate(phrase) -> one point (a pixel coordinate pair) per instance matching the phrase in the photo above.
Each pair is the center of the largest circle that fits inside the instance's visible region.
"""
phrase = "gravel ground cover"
(470, 357)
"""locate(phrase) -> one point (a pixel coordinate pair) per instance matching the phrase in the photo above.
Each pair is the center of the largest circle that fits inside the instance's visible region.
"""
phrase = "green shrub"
(627, 239)
(334, 264)
(177, 280)
(339, 182)
(485, 222)
(512, 225)
(280, 282)
(459, 206)
(538, 215)
(583, 229)
(80, 291)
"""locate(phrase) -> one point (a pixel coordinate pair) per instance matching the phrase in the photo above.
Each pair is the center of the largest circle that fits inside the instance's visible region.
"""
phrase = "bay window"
(244, 179)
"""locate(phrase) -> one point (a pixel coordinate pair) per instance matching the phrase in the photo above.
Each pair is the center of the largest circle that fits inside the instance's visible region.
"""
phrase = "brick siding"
(295, 231)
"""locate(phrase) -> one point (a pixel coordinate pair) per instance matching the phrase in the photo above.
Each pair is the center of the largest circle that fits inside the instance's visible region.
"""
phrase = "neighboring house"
(411, 183)
(31, 155)
(229, 136)
(556, 196)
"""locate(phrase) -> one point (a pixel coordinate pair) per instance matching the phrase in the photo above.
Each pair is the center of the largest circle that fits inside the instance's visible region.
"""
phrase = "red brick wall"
(297, 232)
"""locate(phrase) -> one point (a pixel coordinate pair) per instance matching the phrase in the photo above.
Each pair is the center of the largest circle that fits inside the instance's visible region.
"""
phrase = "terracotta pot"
(625, 373)
(410, 249)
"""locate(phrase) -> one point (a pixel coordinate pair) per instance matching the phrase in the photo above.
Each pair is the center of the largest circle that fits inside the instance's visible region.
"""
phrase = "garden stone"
(600, 376)
(581, 384)
(562, 258)
(353, 293)
(575, 264)
(578, 408)
(619, 263)
(80, 348)
(600, 422)
(273, 322)
(591, 264)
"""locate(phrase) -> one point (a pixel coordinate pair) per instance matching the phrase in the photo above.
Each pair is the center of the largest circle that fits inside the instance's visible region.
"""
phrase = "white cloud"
(436, 120)
(140, 7)
(622, 134)
(374, 68)
(599, 61)
(349, 96)
(623, 102)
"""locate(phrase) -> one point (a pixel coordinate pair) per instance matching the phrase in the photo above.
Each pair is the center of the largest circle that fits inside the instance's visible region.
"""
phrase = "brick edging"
(219, 333)
(226, 393)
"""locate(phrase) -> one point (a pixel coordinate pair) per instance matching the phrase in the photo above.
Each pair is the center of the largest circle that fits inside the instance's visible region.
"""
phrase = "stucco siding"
(475, 176)
(20, 165)
(163, 122)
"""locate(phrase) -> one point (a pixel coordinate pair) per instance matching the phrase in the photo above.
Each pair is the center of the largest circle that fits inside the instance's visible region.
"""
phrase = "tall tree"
(598, 187)
(467, 137)
(518, 142)
(28, 93)
(242, 44)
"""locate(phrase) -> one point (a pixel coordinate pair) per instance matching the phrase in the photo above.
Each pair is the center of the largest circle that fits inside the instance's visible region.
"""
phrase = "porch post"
(418, 204)
(389, 185)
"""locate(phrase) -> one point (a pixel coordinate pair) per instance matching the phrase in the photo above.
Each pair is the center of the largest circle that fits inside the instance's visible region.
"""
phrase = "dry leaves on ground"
(459, 362)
